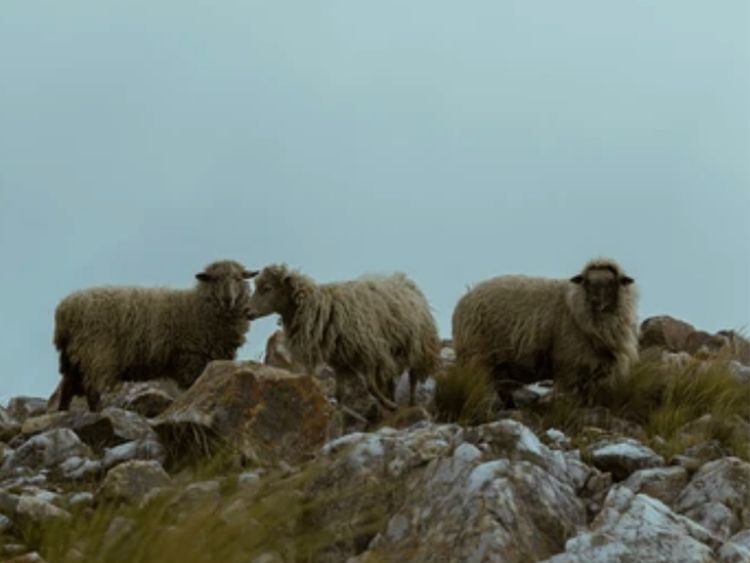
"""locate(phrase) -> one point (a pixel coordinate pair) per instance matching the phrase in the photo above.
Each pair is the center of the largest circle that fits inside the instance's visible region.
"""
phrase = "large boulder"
(636, 527)
(717, 496)
(665, 332)
(260, 413)
(494, 493)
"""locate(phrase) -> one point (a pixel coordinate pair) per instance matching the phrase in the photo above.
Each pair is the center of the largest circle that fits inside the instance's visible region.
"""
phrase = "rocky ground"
(258, 463)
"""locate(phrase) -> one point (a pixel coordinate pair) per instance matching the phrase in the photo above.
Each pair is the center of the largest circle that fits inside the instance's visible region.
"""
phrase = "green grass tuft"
(465, 394)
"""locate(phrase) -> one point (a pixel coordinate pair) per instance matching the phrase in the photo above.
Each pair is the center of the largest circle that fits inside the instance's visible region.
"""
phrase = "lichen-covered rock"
(717, 496)
(623, 456)
(639, 528)
(262, 413)
(662, 483)
(48, 449)
(146, 398)
(490, 493)
(131, 481)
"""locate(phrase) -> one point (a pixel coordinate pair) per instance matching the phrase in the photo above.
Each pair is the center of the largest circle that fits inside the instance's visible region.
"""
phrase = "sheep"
(577, 331)
(110, 334)
(376, 327)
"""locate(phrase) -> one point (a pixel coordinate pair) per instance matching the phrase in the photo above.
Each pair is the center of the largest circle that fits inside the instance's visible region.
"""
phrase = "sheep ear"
(247, 274)
(203, 276)
(577, 279)
(626, 280)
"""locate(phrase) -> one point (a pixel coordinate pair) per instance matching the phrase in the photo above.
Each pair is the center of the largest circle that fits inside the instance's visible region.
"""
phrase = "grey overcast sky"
(455, 141)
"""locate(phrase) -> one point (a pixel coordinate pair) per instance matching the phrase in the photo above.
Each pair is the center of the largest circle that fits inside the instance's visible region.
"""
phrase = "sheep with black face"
(377, 327)
(576, 331)
(109, 334)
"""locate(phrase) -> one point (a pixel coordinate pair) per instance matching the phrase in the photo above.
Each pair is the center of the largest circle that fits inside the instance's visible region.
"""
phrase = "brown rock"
(259, 412)
(702, 343)
(665, 332)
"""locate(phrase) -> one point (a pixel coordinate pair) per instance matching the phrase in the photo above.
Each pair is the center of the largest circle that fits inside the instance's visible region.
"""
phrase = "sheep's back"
(507, 317)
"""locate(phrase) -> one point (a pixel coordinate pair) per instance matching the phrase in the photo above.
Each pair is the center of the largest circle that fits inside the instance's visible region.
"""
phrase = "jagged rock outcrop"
(260, 413)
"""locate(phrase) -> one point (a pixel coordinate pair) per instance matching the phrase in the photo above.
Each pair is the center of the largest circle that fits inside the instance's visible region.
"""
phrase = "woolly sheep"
(108, 334)
(376, 327)
(577, 331)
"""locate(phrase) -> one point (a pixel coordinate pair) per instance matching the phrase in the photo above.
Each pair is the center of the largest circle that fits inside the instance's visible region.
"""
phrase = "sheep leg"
(93, 399)
(413, 378)
(66, 393)
(384, 401)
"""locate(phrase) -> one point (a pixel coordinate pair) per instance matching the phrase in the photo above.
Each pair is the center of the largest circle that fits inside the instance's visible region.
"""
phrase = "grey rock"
(21, 408)
(531, 394)
(130, 481)
(736, 549)
(31, 557)
(623, 456)
(78, 468)
(48, 449)
(145, 449)
(9, 426)
(6, 524)
(662, 483)
(639, 528)
(80, 500)
(724, 482)
(740, 371)
(146, 398)
(43, 422)
(32, 510)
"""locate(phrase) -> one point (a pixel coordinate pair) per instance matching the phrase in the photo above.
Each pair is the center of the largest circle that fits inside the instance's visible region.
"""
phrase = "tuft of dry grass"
(306, 516)
(664, 400)
(465, 394)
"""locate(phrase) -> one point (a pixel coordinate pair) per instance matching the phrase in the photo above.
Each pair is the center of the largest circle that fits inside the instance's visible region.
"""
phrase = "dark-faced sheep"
(109, 334)
(576, 331)
(376, 327)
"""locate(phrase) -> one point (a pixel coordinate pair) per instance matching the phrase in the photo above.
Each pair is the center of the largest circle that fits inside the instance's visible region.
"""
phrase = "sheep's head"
(603, 284)
(273, 293)
(224, 283)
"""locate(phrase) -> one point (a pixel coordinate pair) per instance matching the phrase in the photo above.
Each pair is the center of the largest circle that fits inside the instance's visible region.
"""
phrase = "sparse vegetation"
(299, 517)
(663, 400)
(465, 393)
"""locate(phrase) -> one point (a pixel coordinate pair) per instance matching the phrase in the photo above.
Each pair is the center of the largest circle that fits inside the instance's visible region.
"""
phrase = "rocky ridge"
(264, 464)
